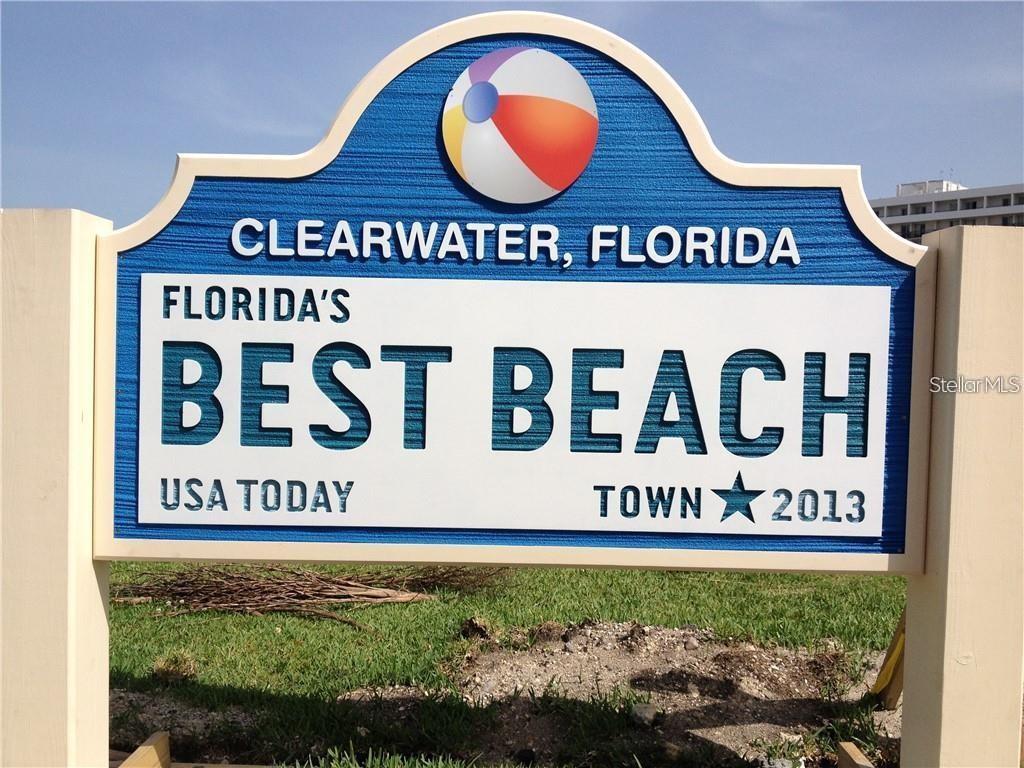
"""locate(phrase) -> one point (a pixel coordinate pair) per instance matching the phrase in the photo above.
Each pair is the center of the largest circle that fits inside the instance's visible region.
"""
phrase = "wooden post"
(965, 615)
(53, 597)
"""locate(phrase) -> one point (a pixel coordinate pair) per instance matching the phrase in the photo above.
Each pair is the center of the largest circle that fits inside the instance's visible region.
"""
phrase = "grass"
(175, 667)
(414, 644)
(290, 670)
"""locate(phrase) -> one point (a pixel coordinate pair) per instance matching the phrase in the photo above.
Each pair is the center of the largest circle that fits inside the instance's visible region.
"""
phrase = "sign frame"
(190, 166)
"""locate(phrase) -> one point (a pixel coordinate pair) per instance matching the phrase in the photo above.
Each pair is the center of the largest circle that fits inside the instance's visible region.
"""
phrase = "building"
(924, 206)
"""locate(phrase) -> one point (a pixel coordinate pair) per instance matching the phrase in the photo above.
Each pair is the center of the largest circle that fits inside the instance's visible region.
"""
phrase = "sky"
(97, 98)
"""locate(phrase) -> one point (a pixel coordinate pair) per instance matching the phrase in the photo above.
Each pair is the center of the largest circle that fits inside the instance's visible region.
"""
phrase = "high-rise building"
(924, 206)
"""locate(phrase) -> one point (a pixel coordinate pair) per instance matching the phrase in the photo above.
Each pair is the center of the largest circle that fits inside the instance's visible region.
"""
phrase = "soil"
(676, 696)
(729, 696)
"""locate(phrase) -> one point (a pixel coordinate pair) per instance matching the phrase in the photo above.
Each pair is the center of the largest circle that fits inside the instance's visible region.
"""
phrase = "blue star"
(737, 499)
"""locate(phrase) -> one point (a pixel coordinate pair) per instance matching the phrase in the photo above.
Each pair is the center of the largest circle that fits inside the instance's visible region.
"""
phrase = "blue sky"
(98, 97)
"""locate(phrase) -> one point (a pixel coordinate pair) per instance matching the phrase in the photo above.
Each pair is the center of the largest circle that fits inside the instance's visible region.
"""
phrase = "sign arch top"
(699, 332)
(844, 177)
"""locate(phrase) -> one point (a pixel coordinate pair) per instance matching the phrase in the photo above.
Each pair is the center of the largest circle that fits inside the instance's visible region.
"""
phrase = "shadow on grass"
(546, 728)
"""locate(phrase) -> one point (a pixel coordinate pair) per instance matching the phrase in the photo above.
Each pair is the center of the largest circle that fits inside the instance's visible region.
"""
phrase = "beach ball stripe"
(520, 125)
(453, 129)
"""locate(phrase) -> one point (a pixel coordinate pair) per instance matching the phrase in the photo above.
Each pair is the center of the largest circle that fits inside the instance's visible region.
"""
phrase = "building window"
(1006, 201)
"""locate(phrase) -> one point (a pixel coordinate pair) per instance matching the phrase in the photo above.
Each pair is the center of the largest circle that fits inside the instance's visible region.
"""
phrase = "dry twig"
(256, 590)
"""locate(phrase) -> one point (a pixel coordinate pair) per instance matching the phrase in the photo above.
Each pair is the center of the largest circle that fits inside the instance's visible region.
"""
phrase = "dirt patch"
(594, 694)
(136, 716)
(724, 695)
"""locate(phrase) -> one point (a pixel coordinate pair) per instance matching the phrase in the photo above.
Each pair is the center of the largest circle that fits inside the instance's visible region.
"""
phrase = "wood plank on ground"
(889, 683)
(154, 752)
(851, 757)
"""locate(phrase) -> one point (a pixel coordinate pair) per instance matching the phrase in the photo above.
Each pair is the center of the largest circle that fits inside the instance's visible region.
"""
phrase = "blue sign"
(516, 307)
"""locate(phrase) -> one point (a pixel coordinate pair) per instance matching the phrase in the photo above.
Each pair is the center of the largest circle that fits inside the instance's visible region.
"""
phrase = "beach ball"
(519, 125)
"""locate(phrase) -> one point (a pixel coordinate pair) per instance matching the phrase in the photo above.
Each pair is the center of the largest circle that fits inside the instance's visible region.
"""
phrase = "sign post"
(965, 614)
(53, 594)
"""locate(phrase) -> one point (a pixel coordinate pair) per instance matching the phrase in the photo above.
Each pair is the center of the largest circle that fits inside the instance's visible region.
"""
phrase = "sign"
(515, 307)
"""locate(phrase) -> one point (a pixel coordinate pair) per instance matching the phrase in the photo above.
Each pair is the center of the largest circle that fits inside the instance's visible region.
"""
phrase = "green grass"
(294, 668)
(414, 643)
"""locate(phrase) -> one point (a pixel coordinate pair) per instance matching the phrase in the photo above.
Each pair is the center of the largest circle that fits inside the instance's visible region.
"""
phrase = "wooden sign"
(515, 307)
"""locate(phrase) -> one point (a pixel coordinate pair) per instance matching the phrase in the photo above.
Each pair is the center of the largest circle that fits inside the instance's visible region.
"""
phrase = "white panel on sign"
(257, 441)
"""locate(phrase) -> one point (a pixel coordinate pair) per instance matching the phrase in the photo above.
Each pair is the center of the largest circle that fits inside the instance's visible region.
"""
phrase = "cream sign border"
(190, 166)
